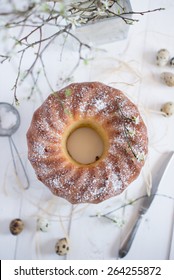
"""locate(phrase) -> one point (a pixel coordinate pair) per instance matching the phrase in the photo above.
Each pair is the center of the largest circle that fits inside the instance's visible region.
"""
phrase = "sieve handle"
(13, 146)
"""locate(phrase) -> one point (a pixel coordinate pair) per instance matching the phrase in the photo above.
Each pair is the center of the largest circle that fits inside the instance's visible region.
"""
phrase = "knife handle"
(127, 242)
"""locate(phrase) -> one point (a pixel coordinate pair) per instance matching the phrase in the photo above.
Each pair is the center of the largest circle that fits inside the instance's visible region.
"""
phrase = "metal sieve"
(9, 123)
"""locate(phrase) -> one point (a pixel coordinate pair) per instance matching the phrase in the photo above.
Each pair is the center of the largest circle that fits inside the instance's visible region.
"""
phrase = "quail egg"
(62, 247)
(172, 62)
(43, 224)
(168, 108)
(16, 226)
(168, 78)
(162, 57)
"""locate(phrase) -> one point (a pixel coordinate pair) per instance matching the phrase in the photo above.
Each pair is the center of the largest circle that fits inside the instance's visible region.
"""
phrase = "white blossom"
(131, 132)
(119, 221)
(106, 3)
(100, 12)
(75, 22)
(83, 20)
(99, 215)
(135, 119)
(140, 156)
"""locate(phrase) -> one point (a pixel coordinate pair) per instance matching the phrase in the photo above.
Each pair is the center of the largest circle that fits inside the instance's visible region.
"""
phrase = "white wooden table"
(130, 66)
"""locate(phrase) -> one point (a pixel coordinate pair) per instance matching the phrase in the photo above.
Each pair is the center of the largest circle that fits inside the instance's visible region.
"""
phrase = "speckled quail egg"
(62, 247)
(172, 62)
(43, 224)
(16, 226)
(168, 108)
(168, 78)
(162, 57)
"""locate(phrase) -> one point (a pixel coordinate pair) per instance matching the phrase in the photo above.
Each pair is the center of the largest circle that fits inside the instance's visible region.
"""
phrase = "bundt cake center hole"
(85, 145)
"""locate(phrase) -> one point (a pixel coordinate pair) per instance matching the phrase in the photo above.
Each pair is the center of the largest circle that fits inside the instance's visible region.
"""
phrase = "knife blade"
(160, 178)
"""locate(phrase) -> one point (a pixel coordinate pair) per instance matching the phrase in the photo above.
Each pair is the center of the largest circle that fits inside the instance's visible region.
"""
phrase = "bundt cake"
(113, 117)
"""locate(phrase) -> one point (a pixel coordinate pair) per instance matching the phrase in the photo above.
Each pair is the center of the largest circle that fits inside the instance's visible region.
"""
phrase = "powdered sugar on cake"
(126, 153)
(100, 104)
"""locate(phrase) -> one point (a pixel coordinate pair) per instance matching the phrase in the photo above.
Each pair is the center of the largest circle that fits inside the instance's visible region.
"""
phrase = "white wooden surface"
(130, 66)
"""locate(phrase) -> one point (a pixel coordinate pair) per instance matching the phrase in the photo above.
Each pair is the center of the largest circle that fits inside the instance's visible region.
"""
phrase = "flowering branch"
(130, 132)
(32, 19)
(129, 203)
(4, 58)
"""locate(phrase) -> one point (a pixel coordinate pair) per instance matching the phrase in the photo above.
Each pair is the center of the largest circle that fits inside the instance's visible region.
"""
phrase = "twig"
(36, 19)
(4, 58)
(17, 78)
(132, 202)
(142, 13)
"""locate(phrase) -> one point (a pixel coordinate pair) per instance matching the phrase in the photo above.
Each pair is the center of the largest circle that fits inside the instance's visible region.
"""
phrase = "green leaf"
(45, 8)
(67, 112)
(85, 61)
(68, 92)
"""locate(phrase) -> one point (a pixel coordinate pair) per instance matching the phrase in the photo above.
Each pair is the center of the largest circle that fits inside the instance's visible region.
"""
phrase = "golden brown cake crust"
(120, 124)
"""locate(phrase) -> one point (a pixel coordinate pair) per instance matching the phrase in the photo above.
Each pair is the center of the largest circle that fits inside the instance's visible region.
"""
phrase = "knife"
(162, 174)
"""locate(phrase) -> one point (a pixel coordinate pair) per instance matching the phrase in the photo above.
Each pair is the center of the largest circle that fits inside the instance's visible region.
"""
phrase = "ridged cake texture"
(114, 116)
